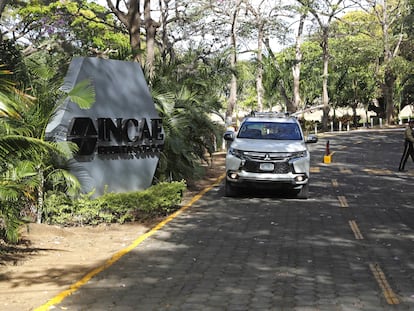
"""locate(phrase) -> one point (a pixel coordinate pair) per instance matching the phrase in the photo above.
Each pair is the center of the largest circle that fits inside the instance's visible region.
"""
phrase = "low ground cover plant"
(156, 201)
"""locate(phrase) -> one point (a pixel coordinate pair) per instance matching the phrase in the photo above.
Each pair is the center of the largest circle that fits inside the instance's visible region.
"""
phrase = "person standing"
(408, 145)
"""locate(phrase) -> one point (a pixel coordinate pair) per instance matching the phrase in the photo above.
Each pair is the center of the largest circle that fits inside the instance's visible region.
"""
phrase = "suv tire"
(229, 189)
(303, 192)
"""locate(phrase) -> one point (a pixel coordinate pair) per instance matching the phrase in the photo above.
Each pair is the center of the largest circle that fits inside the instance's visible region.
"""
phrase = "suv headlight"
(236, 152)
(299, 154)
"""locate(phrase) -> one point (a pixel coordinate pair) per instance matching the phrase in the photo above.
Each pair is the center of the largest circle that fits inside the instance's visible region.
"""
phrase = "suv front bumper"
(294, 172)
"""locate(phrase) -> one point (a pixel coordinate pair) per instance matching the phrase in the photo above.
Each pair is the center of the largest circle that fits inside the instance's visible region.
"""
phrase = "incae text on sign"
(130, 135)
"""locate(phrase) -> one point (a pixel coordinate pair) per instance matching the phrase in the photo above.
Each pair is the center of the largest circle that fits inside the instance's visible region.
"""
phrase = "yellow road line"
(355, 230)
(335, 183)
(74, 287)
(377, 171)
(342, 201)
(345, 170)
(315, 169)
(387, 291)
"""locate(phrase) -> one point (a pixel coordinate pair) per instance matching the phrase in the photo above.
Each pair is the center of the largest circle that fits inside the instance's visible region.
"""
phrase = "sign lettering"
(116, 136)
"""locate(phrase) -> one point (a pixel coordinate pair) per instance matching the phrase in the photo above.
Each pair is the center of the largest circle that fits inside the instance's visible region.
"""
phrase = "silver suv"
(268, 150)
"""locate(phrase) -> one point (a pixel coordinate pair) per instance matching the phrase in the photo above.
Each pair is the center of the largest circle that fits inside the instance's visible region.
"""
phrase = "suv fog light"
(233, 175)
(300, 178)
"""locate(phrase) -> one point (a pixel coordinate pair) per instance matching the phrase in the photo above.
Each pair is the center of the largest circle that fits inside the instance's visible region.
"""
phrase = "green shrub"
(9, 222)
(158, 200)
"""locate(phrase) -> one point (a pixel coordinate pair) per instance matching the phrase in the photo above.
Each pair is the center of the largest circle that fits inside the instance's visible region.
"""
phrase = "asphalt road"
(350, 246)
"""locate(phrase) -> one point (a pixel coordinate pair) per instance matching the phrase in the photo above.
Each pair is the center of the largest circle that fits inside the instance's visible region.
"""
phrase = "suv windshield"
(270, 130)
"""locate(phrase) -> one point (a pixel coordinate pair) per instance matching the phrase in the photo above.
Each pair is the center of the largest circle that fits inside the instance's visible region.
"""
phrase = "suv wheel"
(303, 192)
(229, 189)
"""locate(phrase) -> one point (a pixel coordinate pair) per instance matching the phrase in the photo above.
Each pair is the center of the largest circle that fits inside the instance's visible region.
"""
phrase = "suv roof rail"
(269, 114)
(308, 109)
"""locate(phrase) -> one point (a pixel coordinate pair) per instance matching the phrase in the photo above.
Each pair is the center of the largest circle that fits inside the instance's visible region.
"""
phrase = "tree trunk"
(39, 214)
(135, 30)
(324, 19)
(232, 100)
(388, 91)
(325, 96)
(3, 4)
(151, 29)
(166, 46)
(389, 77)
(354, 114)
(259, 76)
(132, 21)
(233, 62)
(296, 67)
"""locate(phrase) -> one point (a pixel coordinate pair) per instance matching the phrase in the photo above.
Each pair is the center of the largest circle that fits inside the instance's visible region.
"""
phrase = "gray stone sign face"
(120, 136)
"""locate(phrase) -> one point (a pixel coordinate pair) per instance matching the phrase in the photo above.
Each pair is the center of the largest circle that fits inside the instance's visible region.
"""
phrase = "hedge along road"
(348, 247)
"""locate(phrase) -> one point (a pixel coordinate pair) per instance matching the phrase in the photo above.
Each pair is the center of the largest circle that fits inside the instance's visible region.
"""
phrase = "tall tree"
(222, 24)
(354, 63)
(311, 71)
(265, 23)
(3, 4)
(324, 13)
(233, 62)
(296, 103)
(151, 27)
(389, 16)
(260, 25)
(407, 51)
(129, 14)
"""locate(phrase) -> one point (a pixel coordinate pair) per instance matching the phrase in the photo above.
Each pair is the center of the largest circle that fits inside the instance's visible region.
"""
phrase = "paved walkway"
(347, 248)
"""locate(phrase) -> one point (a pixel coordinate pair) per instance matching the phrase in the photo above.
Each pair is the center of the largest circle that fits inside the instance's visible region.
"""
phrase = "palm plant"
(23, 122)
(186, 93)
(17, 182)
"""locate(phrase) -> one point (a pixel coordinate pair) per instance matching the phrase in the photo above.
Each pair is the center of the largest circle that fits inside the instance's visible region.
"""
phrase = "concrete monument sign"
(120, 136)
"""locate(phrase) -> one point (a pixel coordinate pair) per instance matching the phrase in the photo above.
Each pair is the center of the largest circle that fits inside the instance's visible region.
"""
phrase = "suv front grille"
(280, 167)
(267, 156)
(278, 159)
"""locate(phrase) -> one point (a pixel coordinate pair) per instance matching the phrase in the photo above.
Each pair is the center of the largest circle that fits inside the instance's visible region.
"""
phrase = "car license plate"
(267, 166)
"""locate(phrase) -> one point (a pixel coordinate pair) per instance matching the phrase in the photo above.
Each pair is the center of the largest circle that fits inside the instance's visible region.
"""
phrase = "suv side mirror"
(229, 135)
(311, 139)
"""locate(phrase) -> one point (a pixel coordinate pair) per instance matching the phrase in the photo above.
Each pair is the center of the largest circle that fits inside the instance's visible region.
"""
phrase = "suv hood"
(268, 145)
